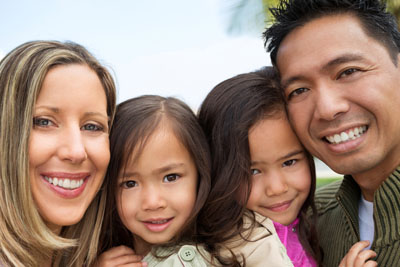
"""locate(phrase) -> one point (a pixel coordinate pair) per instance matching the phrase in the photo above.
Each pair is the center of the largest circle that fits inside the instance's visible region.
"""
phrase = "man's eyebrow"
(345, 58)
(293, 79)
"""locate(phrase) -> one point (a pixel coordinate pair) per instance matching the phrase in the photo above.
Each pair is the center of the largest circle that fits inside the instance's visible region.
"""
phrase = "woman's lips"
(66, 185)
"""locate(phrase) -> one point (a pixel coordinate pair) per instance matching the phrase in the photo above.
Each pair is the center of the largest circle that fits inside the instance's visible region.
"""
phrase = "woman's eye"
(41, 122)
(170, 178)
(129, 184)
(92, 127)
(255, 171)
(289, 162)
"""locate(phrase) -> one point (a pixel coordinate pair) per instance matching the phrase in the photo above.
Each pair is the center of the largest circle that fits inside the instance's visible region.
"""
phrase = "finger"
(123, 250)
(363, 257)
(121, 261)
(371, 264)
(127, 259)
(139, 264)
(352, 255)
(117, 252)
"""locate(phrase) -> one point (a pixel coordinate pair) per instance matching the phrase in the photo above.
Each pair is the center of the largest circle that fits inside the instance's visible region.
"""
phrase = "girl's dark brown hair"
(226, 115)
(135, 120)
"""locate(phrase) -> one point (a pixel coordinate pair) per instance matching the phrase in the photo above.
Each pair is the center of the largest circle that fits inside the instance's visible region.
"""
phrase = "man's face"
(343, 95)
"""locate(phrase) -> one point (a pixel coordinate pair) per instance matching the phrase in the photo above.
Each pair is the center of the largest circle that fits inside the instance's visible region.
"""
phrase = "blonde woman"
(56, 107)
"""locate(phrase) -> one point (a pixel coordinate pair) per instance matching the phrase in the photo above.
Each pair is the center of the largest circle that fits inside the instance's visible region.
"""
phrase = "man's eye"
(170, 178)
(348, 72)
(289, 162)
(297, 92)
(129, 184)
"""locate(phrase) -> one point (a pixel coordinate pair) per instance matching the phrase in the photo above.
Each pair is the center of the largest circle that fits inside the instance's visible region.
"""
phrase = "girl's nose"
(153, 199)
(276, 185)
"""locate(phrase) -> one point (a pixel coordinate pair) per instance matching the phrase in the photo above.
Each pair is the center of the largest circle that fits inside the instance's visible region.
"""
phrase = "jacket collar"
(386, 207)
(348, 197)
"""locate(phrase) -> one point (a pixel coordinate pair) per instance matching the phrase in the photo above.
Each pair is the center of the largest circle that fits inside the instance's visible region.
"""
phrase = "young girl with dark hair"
(260, 172)
(158, 180)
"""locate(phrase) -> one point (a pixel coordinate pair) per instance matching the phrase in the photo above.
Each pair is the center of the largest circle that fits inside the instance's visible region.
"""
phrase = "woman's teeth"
(64, 183)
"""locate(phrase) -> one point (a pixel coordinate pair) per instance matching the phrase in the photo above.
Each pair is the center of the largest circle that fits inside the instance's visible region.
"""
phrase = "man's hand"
(358, 257)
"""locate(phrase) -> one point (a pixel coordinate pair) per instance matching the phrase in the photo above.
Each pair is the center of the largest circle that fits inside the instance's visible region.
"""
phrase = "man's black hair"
(375, 20)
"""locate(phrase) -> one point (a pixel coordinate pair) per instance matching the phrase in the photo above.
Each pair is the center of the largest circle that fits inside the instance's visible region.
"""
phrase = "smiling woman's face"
(68, 144)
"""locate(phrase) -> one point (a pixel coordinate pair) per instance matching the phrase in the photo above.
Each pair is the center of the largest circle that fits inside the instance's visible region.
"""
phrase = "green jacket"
(338, 226)
(187, 256)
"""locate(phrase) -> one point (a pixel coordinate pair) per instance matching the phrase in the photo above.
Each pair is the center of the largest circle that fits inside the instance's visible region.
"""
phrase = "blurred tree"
(254, 16)
(249, 15)
(394, 7)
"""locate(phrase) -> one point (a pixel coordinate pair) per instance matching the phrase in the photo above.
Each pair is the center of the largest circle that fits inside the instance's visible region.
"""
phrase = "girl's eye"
(42, 122)
(129, 184)
(92, 127)
(289, 162)
(170, 178)
(297, 92)
(255, 171)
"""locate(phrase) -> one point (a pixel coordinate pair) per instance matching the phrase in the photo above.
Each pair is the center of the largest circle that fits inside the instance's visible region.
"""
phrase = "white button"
(187, 254)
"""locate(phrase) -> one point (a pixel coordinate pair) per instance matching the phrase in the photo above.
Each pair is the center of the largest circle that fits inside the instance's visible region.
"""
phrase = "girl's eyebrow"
(291, 154)
(160, 170)
(168, 167)
(288, 155)
(129, 174)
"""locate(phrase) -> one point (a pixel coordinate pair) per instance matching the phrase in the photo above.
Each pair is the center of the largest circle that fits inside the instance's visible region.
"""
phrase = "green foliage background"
(253, 15)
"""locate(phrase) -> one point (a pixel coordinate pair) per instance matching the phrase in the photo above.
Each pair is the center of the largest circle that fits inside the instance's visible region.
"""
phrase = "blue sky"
(175, 48)
(172, 48)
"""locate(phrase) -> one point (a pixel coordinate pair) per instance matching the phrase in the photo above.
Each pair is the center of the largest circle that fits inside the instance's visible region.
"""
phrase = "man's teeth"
(64, 183)
(350, 135)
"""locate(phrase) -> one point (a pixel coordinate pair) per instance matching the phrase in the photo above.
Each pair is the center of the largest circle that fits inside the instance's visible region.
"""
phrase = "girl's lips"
(279, 207)
(157, 225)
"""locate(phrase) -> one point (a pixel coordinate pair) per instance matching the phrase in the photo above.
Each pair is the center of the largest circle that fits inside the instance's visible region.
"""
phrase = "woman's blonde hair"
(25, 240)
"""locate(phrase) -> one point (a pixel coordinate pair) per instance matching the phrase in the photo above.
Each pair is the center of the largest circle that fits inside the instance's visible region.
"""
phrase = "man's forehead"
(320, 41)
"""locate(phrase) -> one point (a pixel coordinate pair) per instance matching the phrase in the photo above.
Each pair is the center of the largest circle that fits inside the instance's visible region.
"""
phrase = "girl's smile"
(157, 190)
(158, 225)
(280, 207)
(281, 175)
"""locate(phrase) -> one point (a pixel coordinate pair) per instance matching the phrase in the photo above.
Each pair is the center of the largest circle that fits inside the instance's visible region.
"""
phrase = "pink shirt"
(288, 236)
